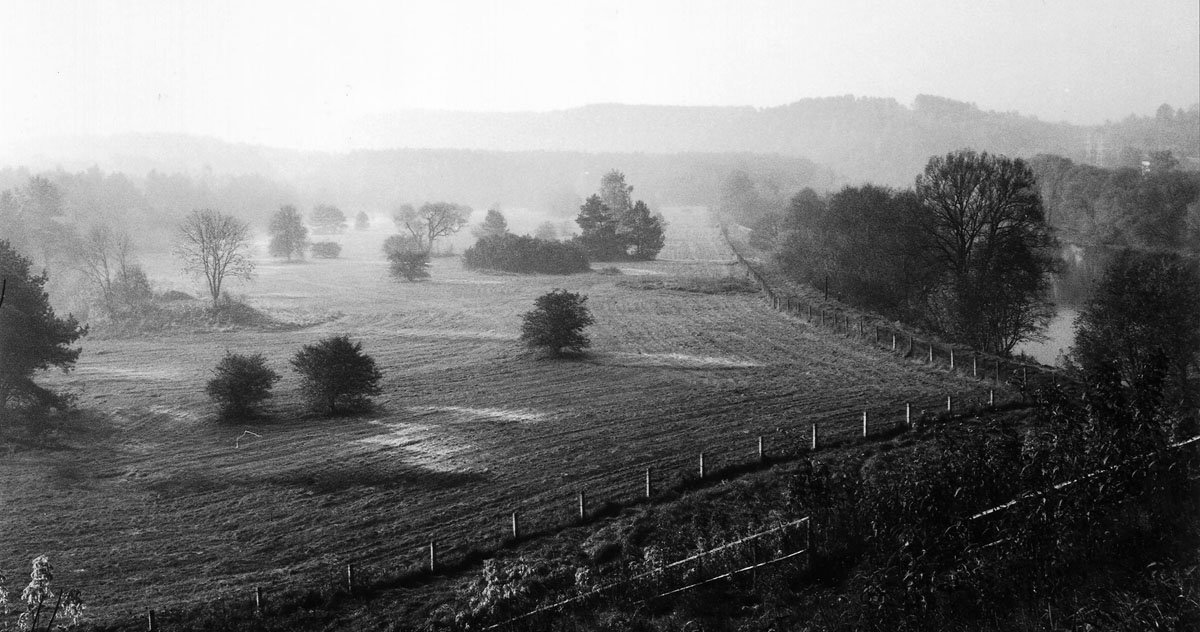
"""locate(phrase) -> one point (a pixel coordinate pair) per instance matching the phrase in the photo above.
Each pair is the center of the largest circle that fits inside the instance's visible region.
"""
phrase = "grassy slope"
(154, 505)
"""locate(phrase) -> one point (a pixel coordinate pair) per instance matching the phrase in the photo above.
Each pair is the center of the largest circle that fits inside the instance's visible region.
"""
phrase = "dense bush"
(525, 254)
(557, 323)
(335, 372)
(240, 382)
(326, 250)
(406, 257)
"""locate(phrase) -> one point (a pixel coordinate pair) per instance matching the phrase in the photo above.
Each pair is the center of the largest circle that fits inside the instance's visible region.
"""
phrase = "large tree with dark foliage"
(289, 236)
(983, 218)
(615, 227)
(32, 337)
(337, 374)
(599, 226)
(863, 243)
(1140, 334)
(557, 322)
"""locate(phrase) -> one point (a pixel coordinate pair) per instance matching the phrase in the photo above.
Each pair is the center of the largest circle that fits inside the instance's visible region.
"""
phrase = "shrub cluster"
(326, 250)
(525, 254)
(334, 372)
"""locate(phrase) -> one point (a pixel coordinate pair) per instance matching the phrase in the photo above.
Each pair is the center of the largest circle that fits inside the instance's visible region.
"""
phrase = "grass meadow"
(149, 502)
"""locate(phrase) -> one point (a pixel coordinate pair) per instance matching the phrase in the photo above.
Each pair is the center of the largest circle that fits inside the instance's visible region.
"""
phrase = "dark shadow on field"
(328, 481)
(369, 475)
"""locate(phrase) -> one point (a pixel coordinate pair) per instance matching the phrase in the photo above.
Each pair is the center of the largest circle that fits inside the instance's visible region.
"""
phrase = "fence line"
(876, 330)
(662, 569)
(807, 521)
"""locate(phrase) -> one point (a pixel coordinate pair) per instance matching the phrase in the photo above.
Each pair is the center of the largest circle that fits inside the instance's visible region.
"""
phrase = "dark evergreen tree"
(32, 337)
(239, 383)
(336, 374)
(557, 322)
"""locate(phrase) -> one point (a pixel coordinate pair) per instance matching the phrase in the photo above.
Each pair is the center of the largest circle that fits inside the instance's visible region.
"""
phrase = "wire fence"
(841, 319)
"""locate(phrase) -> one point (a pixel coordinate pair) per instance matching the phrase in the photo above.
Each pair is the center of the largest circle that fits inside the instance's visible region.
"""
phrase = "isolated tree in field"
(32, 337)
(557, 323)
(599, 226)
(406, 258)
(239, 383)
(644, 234)
(361, 221)
(1139, 336)
(432, 221)
(614, 227)
(215, 246)
(288, 233)
(337, 374)
(493, 225)
(983, 217)
(327, 219)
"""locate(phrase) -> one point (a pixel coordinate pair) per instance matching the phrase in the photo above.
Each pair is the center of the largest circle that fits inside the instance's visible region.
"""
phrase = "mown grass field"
(154, 504)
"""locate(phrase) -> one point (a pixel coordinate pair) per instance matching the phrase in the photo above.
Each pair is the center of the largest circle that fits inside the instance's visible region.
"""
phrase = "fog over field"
(598, 315)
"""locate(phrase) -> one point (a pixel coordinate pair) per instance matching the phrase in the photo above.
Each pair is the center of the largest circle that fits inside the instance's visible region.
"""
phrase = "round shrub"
(326, 250)
(336, 373)
(240, 382)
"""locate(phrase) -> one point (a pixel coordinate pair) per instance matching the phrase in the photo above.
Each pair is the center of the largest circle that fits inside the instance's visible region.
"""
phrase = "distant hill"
(865, 139)
(673, 154)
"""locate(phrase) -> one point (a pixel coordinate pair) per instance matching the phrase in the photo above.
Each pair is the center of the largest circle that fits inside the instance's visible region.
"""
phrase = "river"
(1060, 336)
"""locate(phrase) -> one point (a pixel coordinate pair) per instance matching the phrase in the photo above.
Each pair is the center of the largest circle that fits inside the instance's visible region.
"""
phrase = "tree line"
(1151, 204)
(965, 254)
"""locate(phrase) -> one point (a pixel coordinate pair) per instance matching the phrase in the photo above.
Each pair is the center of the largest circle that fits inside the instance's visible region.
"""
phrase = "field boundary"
(651, 482)
(880, 332)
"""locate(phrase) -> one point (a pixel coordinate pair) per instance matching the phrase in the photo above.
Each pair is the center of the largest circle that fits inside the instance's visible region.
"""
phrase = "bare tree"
(214, 245)
(104, 257)
(431, 221)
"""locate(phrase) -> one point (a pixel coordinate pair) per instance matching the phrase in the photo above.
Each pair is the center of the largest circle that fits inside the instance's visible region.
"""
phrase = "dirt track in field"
(158, 505)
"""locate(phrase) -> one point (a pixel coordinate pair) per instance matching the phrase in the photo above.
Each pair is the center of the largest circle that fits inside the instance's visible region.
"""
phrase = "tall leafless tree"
(215, 246)
(431, 221)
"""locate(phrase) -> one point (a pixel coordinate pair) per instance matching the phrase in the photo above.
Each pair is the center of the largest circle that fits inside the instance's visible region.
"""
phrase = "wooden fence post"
(350, 578)
(258, 599)
(931, 353)
(152, 625)
(908, 415)
(949, 407)
(974, 365)
(582, 507)
(893, 342)
(433, 556)
(951, 358)
(516, 527)
(991, 398)
(814, 436)
(647, 483)
(761, 456)
(864, 424)
(701, 466)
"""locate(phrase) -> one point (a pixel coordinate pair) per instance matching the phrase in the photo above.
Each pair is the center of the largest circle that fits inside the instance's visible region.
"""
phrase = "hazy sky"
(291, 73)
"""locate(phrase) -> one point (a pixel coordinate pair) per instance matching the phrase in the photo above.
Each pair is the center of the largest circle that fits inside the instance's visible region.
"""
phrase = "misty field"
(155, 504)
